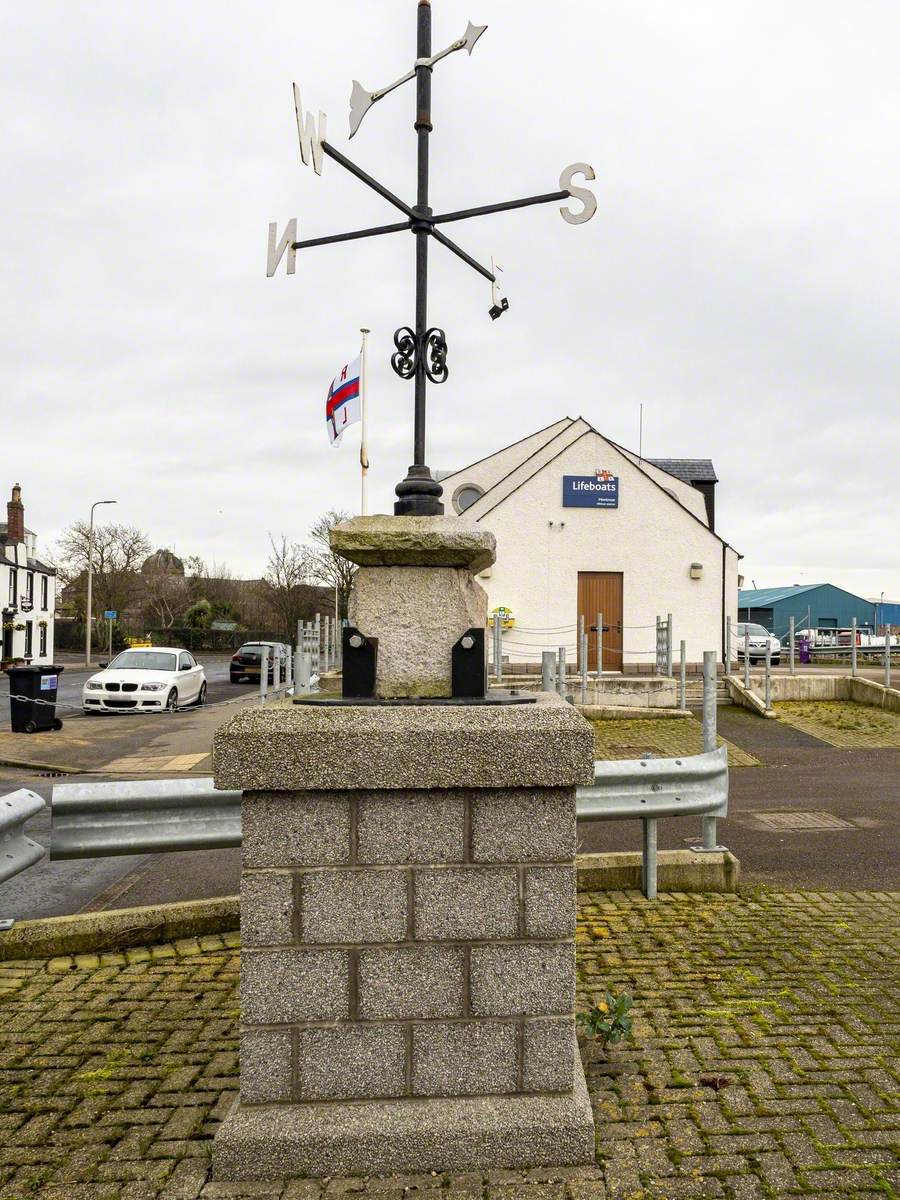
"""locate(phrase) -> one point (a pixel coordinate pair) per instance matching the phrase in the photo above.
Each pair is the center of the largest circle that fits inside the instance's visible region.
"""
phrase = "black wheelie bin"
(32, 698)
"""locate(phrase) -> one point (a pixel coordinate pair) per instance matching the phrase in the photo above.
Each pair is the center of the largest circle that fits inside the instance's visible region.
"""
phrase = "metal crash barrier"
(142, 817)
(652, 788)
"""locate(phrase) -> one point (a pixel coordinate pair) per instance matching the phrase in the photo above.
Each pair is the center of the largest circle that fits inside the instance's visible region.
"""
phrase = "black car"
(245, 664)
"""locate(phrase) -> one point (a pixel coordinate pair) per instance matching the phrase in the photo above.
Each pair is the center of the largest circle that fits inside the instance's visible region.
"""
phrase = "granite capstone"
(280, 986)
(548, 1054)
(411, 981)
(294, 830)
(267, 908)
(348, 1062)
(465, 1058)
(537, 979)
(411, 827)
(354, 906)
(551, 902)
(266, 1057)
(385, 541)
(294, 748)
(466, 903)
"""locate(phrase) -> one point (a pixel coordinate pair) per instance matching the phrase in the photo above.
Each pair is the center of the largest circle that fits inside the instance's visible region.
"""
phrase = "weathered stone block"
(294, 829)
(550, 902)
(522, 978)
(267, 908)
(353, 906)
(411, 981)
(417, 614)
(266, 1066)
(548, 1057)
(523, 825)
(412, 827)
(352, 1061)
(279, 986)
(466, 1058)
(383, 541)
(467, 902)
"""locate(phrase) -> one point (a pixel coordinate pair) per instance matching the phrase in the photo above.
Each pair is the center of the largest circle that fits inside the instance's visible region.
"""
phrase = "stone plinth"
(408, 921)
(415, 592)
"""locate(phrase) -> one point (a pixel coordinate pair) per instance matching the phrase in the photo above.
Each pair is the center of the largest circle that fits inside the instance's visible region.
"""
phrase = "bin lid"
(36, 669)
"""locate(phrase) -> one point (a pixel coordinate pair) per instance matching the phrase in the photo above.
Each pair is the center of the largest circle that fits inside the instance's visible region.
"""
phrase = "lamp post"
(90, 583)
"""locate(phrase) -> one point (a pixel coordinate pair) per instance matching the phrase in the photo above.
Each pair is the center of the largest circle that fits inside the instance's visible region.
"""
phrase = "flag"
(343, 405)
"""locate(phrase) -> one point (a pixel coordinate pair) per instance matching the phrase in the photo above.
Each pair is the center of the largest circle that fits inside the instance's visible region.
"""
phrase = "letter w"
(311, 139)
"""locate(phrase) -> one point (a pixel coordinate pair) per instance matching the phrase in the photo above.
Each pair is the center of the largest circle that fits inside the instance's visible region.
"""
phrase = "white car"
(759, 637)
(155, 680)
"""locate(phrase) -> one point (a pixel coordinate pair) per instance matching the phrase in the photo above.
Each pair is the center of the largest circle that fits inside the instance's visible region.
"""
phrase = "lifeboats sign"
(600, 490)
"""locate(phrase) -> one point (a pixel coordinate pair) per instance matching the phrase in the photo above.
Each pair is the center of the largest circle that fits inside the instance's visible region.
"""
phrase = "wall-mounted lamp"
(696, 570)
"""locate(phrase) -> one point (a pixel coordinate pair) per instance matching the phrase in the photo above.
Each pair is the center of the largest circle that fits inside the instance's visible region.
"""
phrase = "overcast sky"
(740, 278)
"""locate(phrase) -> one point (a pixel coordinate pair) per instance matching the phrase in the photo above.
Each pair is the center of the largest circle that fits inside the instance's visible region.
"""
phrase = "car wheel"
(201, 697)
(172, 701)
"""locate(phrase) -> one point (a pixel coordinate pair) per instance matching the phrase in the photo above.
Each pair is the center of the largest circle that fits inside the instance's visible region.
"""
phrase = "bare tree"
(285, 583)
(165, 596)
(325, 565)
(118, 552)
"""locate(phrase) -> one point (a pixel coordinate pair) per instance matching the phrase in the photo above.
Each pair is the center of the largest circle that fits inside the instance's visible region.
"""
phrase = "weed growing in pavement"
(609, 1020)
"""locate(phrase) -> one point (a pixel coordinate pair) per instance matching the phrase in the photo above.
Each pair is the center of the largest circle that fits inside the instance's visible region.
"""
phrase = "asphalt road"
(73, 678)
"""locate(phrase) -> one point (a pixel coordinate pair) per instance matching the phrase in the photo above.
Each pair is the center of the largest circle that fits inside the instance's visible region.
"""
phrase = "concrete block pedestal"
(408, 920)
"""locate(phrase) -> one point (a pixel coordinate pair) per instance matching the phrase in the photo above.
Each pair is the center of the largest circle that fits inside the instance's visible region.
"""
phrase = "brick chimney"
(15, 516)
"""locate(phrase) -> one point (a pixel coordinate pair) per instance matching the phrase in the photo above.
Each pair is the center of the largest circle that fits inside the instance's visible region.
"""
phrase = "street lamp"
(90, 583)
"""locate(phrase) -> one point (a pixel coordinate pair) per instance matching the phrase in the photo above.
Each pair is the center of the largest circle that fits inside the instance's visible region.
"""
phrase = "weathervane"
(420, 353)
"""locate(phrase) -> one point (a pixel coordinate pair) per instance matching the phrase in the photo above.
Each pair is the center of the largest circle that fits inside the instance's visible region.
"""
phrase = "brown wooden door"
(601, 592)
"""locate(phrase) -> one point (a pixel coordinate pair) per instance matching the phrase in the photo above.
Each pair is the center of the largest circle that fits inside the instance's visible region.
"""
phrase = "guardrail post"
(887, 655)
(317, 659)
(289, 667)
(648, 857)
(768, 676)
(791, 638)
(668, 646)
(708, 824)
(682, 674)
(548, 670)
(728, 645)
(582, 657)
(561, 670)
(498, 648)
(263, 674)
(747, 656)
(599, 645)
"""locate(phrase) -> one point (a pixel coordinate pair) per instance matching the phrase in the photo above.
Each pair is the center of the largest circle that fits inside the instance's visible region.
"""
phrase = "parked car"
(759, 638)
(245, 664)
(160, 679)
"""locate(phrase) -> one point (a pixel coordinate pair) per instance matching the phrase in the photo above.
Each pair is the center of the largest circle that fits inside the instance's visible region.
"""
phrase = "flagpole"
(363, 444)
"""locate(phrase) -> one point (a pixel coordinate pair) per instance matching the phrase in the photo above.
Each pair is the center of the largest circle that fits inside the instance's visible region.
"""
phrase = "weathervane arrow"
(361, 100)
(421, 352)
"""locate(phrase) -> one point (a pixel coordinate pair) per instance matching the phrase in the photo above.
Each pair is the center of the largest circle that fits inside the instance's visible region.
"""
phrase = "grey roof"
(35, 564)
(691, 470)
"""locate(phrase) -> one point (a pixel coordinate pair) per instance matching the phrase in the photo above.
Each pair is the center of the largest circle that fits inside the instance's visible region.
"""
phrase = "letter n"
(276, 251)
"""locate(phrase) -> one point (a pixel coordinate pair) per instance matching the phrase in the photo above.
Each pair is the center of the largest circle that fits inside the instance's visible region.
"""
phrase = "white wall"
(39, 612)
(650, 538)
(489, 471)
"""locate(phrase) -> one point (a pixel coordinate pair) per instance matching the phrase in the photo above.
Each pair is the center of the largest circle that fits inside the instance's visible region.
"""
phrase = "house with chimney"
(27, 590)
(586, 527)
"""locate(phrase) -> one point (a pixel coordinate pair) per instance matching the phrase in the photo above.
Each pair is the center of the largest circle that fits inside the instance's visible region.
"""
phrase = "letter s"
(587, 197)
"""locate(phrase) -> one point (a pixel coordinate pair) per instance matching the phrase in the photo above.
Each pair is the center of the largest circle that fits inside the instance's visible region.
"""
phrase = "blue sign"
(110, 614)
(48, 682)
(591, 491)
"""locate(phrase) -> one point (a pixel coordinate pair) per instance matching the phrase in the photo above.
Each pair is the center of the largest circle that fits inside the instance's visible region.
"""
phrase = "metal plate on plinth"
(418, 701)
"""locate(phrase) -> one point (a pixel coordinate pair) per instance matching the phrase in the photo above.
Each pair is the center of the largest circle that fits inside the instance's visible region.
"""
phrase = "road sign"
(110, 614)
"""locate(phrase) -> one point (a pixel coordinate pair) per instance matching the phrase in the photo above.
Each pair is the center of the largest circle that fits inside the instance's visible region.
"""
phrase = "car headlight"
(94, 687)
(152, 687)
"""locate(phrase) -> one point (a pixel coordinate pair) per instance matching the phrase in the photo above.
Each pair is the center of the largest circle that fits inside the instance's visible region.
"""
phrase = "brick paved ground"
(114, 1071)
(666, 737)
(841, 723)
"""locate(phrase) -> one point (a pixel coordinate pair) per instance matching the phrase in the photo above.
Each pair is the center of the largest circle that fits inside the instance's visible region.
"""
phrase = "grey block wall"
(407, 944)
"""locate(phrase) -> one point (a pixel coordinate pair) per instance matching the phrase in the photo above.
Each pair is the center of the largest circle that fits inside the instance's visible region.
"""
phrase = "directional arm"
(464, 213)
(367, 179)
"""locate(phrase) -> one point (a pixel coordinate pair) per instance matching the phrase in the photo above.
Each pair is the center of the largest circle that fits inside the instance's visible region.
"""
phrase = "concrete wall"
(541, 547)
(826, 687)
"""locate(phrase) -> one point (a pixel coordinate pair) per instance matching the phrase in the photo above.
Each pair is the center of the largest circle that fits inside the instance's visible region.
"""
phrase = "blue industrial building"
(812, 605)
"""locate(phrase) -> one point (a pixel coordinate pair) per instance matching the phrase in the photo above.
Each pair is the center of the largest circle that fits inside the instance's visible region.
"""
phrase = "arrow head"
(360, 103)
(471, 36)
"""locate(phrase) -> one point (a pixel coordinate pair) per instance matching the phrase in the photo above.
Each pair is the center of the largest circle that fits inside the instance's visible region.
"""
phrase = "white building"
(27, 590)
(583, 527)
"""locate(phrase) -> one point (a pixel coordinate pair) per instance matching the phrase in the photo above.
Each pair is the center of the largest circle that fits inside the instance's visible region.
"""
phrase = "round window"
(464, 497)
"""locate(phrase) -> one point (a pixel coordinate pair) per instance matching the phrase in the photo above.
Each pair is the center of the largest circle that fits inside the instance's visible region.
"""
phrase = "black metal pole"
(419, 494)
